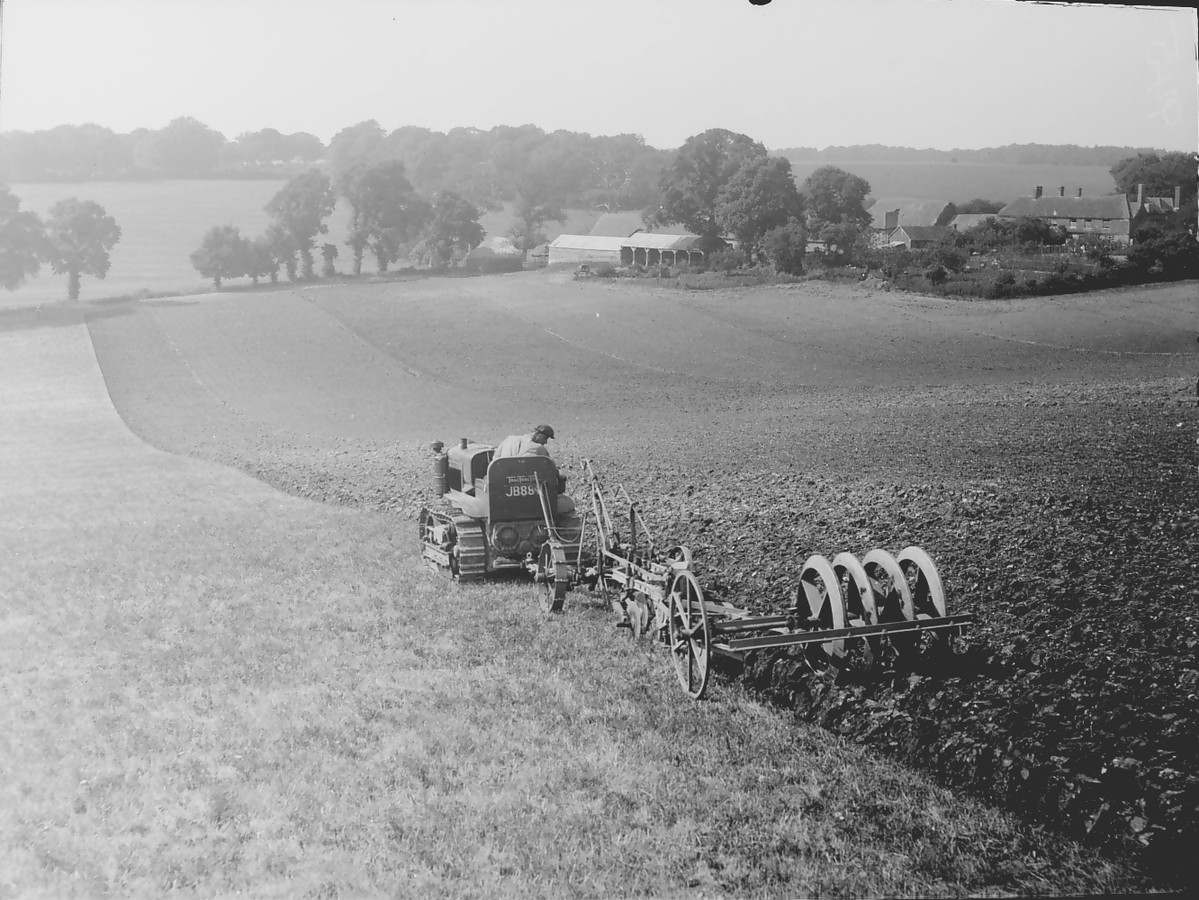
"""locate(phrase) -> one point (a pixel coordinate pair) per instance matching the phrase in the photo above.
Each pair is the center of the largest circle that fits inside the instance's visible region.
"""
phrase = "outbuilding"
(640, 248)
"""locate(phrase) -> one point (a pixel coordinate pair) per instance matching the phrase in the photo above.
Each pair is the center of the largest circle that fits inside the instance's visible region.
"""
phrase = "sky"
(946, 74)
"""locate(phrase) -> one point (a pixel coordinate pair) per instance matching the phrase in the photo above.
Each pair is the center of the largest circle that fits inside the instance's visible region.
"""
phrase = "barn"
(640, 248)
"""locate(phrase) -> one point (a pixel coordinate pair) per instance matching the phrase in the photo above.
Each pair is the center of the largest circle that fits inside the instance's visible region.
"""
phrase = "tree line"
(388, 218)
(1008, 154)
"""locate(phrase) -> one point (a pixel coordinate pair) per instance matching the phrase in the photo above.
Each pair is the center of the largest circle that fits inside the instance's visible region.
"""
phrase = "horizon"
(916, 79)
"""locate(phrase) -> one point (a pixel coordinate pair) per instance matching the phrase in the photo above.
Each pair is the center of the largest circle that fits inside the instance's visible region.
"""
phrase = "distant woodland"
(1009, 154)
(487, 167)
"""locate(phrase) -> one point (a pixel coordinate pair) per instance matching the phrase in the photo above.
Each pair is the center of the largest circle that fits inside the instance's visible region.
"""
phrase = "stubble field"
(1043, 452)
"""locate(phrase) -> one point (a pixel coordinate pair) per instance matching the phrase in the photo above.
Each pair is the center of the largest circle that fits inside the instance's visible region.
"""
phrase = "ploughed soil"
(1043, 452)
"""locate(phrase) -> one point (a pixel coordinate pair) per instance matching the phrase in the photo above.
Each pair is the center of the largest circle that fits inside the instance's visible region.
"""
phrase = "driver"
(531, 444)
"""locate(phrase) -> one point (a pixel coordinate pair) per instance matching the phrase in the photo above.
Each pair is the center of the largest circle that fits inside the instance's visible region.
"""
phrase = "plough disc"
(928, 600)
(690, 640)
(858, 596)
(819, 592)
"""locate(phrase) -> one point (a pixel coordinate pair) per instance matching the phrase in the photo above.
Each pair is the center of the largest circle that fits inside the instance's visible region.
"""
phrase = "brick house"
(1108, 217)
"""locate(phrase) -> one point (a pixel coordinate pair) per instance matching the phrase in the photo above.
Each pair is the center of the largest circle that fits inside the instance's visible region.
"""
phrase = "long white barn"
(641, 248)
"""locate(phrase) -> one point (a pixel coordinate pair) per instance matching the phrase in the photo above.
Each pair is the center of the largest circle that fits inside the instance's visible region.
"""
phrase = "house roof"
(1158, 205)
(494, 247)
(923, 232)
(912, 210)
(1113, 206)
(962, 221)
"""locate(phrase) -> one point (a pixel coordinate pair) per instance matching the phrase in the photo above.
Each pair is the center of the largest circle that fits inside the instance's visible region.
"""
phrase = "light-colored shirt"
(520, 445)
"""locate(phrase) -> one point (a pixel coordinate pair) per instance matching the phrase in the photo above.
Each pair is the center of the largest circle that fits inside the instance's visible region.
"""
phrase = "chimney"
(891, 219)
(1061, 192)
(1177, 196)
(1080, 192)
(1140, 195)
(1038, 192)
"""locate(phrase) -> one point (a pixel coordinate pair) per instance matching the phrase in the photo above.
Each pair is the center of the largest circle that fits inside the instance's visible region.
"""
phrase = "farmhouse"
(1108, 217)
(640, 248)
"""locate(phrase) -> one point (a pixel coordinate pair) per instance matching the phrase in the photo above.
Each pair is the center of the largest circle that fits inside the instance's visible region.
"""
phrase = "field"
(164, 221)
(218, 685)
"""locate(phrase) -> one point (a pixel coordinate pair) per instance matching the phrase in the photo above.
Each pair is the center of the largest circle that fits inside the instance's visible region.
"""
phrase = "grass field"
(162, 222)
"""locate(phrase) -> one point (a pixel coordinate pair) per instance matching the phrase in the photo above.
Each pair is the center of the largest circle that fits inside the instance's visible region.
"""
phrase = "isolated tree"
(833, 196)
(80, 235)
(454, 228)
(691, 185)
(22, 241)
(222, 254)
(786, 245)
(300, 209)
(760, 195)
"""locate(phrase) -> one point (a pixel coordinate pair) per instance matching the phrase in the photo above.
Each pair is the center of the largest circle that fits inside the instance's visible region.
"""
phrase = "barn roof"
(912, 210)
(623, 224)
(657, 241)
(642, 239)
(1113, 206)
(587, 242)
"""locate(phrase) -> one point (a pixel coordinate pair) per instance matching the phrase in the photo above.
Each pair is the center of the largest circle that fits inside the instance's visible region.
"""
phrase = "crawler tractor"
(495, 515)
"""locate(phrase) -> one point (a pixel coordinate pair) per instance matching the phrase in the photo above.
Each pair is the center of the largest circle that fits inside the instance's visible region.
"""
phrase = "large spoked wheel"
(820, 593)
(552, 593)
(928, 600)
(690, 643)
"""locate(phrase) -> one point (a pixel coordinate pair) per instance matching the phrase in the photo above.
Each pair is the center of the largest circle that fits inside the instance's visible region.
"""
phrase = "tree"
(386, 213)
(760, 195)
(454, 228)
(22, 241)
(785, 246)
(260, 259)
(691, 185)
(222, 254)
(185, 148)
(282, 248)
(80, 235)
(300, 209)
(835, 197)
(328, 254)
(979, 206)
(364, 144)
(1159, 174)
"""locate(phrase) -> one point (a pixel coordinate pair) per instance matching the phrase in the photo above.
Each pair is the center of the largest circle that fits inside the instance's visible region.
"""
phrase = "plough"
(848, 615)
